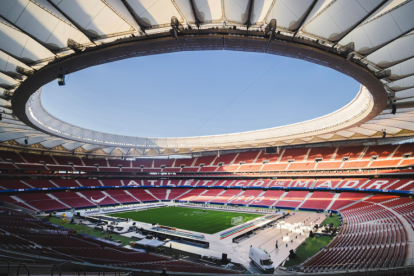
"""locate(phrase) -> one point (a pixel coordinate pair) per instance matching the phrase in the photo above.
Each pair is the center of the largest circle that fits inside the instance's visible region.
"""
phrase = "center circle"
(197, 94)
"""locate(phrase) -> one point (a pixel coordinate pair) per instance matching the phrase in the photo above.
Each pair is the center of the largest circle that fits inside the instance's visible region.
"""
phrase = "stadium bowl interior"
(355, 163)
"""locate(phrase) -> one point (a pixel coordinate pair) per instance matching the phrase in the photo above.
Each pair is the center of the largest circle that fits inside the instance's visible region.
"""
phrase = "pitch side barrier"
(29, 190)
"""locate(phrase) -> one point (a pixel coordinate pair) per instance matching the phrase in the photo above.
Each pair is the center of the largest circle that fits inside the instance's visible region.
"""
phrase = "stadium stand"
(190, 195)
(67, 182)
(294, 154)
(267, 199)
(292, 199)
(40, 183)
(68, 161)
(183, 162)
(159, 193)
(13, 184)
(226, 196)
(372, 238)
(356, 162)
(246, 197)
(158, 163)
(204, 160)
(98, 197)
(42, 202)
(142, 195)
(174, 193)
(352, 153)
(73, 199)
(312, 161)
(346, 199)
(117, 163)
(39, 159)
(73, 247)
(208, 195)
(246, 157)
(318, 201)
(121, 196)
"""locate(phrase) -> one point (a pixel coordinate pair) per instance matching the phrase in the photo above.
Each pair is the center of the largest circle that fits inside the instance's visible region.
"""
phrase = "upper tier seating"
(183, 162)
(91, 182)
(38, 158)
(163, 162)
(246, 157)
(331, 160)
(267, 157)
(147, 163)
(298, 154)
(227, 168)
(95, 162)
(118, 162)
(13, 184)
(66, 183)
(225, 159)
(60, 168)
(204, 160)
(381, 152)
(325, 153)
(7, 156)
(40, 183)
(352, 153)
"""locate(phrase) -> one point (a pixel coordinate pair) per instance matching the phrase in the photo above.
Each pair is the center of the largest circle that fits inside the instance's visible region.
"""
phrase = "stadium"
(326, 196)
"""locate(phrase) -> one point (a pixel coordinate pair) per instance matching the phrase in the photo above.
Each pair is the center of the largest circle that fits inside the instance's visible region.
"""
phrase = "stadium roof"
(371, 41)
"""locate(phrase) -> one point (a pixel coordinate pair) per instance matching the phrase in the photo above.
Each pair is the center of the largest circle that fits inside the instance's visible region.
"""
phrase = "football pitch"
(208, 222)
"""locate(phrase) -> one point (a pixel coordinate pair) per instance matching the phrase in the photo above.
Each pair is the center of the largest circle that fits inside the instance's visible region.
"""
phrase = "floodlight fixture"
(346, 49)
(393, 109)
(383, 74)
(75, 46)
(61, 79)
(271, 28)
(24, 71)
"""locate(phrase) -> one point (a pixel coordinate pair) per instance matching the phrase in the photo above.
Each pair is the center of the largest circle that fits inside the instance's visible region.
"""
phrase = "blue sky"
(198, 93)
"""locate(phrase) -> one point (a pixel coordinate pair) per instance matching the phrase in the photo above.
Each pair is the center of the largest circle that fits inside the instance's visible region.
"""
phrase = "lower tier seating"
(373, 237)
(17, 234)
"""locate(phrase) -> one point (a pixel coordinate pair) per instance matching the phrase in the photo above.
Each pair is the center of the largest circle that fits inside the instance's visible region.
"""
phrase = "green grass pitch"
(196, 220)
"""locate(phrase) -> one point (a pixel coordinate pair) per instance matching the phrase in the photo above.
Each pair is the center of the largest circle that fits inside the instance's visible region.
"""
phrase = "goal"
(237, 220)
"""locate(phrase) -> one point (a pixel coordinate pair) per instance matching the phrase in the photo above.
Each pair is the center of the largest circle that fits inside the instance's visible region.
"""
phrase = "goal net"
(237, 220)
